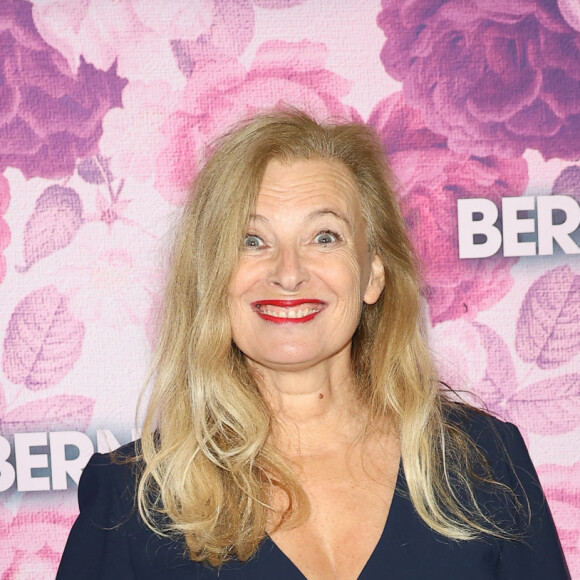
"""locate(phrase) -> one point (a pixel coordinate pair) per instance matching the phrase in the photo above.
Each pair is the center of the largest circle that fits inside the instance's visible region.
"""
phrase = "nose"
(288, 270)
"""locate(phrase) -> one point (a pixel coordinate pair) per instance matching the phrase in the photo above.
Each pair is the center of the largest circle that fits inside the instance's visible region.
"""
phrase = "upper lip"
(287, 303)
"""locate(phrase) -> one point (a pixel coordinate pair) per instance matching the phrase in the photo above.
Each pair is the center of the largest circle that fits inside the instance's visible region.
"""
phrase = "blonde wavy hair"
(209, 465)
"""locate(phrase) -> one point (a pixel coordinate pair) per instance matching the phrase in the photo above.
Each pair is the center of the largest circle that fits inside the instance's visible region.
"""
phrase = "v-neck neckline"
(396, 499)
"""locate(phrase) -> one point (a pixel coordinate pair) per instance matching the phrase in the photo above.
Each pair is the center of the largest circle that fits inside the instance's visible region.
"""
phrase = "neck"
(315, 410)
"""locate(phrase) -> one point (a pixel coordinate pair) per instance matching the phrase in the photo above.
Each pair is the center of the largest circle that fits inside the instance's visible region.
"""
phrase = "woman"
(295, 407)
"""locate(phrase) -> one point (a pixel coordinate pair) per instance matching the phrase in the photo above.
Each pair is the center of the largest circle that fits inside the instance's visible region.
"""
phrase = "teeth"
(287, 312)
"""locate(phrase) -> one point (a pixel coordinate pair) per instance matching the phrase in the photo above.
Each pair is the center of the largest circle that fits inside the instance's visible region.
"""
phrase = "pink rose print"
(432, 179)
(231, 30)
(220, 92)
(134, 34)
(562, 487)
(49, 116)
(277, 3)
(561, 482)
(571, 12)
(32, 541)
(111, 280)
(146, 107)
(458, 350)
(4, 229)
(476, 363)
(98, 31)
(110, 208)
(566, 517)
(494, 77)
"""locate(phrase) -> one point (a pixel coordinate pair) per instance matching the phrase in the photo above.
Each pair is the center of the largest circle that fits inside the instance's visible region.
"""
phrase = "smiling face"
(305, 270)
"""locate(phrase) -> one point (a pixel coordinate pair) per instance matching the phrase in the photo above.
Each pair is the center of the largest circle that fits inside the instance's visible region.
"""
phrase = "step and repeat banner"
(105, 108)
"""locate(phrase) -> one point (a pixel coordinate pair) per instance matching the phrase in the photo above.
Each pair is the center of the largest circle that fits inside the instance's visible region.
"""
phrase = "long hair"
(209, 465)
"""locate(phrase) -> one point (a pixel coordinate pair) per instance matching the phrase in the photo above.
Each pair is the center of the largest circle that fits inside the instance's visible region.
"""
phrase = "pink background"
(105, 106)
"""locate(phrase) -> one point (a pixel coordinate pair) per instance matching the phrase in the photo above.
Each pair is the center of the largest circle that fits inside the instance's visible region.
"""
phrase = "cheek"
(355, 278)
(235, 305)
(240, 322)
(345, 281)
(243, 280)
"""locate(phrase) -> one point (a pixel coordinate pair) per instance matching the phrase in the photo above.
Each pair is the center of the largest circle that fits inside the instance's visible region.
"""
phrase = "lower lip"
(277, 320)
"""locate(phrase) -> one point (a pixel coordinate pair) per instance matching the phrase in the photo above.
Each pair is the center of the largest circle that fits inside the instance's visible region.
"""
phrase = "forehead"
(307, 182)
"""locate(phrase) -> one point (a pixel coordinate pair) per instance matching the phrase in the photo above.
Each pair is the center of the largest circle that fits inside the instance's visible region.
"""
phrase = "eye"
(326, 237)
(253, 241)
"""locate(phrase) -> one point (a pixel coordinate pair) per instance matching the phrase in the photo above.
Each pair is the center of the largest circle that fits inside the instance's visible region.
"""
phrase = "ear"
(376, 283)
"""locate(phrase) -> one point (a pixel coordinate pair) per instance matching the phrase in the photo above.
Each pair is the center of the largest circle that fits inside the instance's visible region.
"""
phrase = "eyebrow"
(323, 212)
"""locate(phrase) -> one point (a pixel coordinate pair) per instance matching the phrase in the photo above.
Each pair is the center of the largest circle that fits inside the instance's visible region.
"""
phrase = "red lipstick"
(287, 311)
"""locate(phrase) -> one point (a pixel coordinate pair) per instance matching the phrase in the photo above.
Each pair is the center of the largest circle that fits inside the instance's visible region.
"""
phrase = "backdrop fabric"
(106, 107)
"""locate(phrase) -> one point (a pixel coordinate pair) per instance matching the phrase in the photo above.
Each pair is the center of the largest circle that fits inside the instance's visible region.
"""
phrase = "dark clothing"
(109, 540)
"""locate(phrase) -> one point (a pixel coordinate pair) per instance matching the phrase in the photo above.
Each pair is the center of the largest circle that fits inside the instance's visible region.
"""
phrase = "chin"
(282, 361)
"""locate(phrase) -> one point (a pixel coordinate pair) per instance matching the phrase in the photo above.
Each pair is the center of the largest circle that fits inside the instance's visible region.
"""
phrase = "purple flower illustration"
(49, 115)
(4, 229)
(432, 179)
(43, 340)
(494, 77)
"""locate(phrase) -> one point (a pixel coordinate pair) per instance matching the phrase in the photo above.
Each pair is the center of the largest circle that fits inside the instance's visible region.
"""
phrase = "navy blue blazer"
(110, 542)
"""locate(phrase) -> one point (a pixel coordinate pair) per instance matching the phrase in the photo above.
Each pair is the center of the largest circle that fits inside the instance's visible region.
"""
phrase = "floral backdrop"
(105, 108)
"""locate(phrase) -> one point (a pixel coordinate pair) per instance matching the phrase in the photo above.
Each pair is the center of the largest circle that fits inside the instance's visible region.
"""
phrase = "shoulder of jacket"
(477, 422)
(495, 437)
(119, 469)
